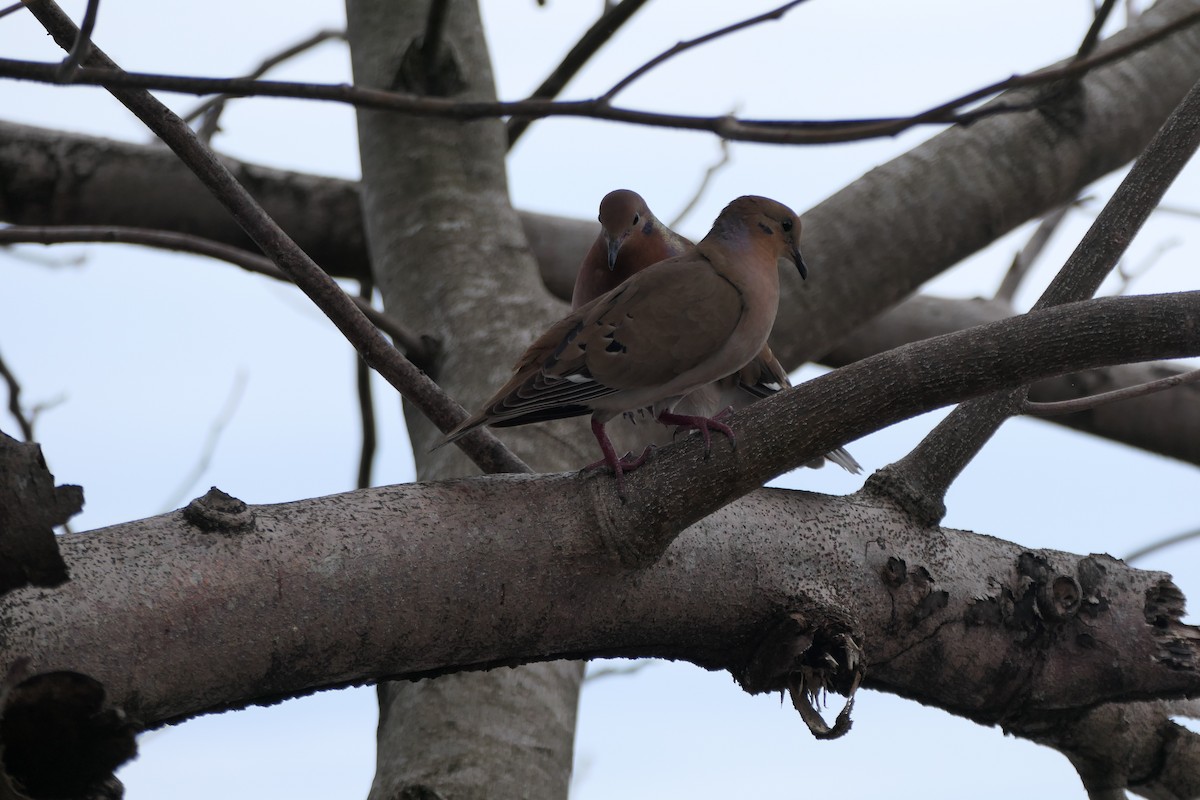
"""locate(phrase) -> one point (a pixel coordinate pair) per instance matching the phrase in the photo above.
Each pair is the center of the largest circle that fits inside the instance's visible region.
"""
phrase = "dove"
(631, 238)
(673, 327)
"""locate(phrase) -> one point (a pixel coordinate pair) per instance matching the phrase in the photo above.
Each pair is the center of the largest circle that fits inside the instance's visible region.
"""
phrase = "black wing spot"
(766, 229)
(615, 347)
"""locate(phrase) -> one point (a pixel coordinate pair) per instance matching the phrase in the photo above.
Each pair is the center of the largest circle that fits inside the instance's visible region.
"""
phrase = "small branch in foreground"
(418, 348)
(610, 21)
(488, 452)
(765, 131)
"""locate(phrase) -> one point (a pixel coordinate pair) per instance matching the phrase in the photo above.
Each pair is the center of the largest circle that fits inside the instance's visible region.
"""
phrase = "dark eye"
(787, 225)
(637, 218)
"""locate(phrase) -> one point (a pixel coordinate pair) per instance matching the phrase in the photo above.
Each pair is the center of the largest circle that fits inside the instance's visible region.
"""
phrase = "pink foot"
(702, 424)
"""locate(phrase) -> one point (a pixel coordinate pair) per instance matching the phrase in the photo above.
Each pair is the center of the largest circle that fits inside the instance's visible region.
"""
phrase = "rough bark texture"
(1021, 637)
(449, 257)
(1167, 423)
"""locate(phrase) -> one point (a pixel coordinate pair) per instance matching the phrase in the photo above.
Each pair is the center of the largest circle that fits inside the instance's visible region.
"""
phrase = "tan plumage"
(671, 328)
(631, 238)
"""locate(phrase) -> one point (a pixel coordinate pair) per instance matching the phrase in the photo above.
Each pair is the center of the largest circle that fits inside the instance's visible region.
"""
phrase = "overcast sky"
(138, 352)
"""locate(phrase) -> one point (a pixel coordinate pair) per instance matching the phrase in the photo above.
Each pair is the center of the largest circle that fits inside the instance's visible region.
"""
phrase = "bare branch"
(215, 429)
(1028, 254)
(211, 110)
(420, 349)
(684, 46)
(14, 402)
(4, 12)
(431, 42)
(1095, 401)
(601, 673)
(366, 405)
(83, 42)
(481, 446)
(613, 17)
(1092, 37)
(919, 481)
(748, 130)
(1161, 544)
(712, 170)
(1129, 275)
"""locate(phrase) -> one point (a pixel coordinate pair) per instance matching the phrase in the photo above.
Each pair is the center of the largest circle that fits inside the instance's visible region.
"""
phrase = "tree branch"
(420, 349)
(14, 402)
(610, 21)
(905, 597)
(746, 130)
(211, 110)
(79, 51)
(1117, 395)
(919, 481)
(485, 449)
(684, 46)
(1164, 423)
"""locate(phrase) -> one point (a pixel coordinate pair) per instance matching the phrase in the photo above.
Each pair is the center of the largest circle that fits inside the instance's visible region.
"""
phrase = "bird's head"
(622, 214)
(770, 222)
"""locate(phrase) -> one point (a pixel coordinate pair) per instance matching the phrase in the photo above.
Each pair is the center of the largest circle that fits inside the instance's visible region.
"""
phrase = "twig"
(83, 42)
(613, 17)
(1052, 409)
(4, 12)
(481, 446)
(764, 131)
(14, 402)
(1180, 211)
(366, 405)
(417, 347)
(712, 170)
(601, 673)
(1128, 276)
(919, 481)
(684, 46)
(1161, 544)
(212, 109)
(215, 429)
(1092, 37)
(1027, 255)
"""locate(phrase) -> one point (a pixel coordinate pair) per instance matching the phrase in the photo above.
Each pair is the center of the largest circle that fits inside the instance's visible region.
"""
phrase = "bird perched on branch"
(671, 328)
(631, 238)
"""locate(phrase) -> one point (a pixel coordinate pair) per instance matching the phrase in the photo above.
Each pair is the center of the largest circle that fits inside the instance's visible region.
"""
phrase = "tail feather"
(844, 460)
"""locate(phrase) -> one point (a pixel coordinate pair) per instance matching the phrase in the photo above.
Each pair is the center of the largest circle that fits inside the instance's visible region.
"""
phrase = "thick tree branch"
(1167, 423)
(728, 596)
(920, 480)
(485, 449)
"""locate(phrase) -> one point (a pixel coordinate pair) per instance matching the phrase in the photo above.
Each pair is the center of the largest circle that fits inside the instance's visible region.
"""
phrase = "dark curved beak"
(614, 246)
(800, 265)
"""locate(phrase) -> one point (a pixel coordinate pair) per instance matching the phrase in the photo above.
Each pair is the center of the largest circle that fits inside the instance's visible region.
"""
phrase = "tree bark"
(449, 258)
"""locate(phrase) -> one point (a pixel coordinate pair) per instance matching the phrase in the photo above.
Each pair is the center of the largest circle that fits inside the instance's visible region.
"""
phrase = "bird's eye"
(787, 225)
(637, 218)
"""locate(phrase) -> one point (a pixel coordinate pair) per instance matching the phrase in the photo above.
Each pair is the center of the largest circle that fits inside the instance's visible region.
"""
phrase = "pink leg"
(619, 465)
(702, 424)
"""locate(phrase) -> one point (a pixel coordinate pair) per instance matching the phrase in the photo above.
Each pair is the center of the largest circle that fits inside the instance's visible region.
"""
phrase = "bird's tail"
(844, 460)
(462, 429)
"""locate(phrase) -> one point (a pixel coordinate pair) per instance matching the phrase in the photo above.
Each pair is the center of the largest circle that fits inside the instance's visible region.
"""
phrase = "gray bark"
(450, 258)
